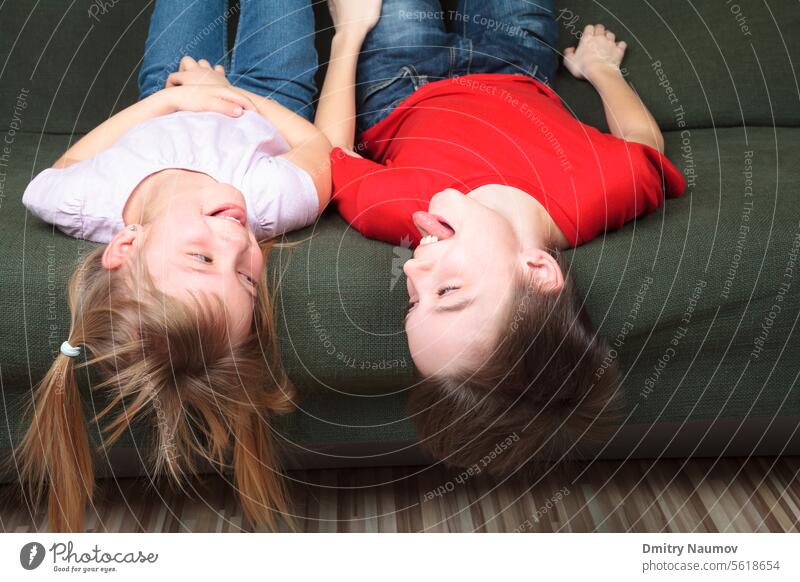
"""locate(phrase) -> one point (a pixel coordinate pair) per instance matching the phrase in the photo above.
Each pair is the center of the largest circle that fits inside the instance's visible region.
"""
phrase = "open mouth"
(432, 227)
(232, 212)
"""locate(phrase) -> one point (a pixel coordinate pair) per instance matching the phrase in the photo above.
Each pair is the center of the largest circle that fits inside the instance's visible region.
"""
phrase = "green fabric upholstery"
(717, 258)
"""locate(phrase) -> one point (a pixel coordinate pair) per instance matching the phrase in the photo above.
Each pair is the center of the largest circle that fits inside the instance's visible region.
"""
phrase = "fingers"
(600, 31)
(198, 76)
(188, 63)
(220, 105)
(174, 80)
(236, 97)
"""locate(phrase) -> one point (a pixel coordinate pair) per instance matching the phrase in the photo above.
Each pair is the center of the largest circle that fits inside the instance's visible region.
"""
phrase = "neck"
(549, 233)
(141, 202)
(532, 223)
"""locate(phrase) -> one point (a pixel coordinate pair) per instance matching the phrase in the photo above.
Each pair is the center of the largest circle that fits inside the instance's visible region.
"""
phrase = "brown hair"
(167, 362)
(547, 385)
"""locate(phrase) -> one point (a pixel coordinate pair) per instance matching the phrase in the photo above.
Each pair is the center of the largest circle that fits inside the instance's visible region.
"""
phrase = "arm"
(336, 111)
(310, 148)
(218, 99)
(379, 202)
(597, 59)
(628, 118)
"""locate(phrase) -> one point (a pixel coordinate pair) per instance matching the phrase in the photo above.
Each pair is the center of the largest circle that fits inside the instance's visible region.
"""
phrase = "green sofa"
(699, 301)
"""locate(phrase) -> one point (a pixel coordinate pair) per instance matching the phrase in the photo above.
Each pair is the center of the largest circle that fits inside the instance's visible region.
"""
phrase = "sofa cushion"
(699, 300)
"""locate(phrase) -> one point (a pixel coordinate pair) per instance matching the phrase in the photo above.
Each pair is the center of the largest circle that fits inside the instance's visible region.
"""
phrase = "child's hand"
(596, 51)
(200, 72)
(225, 100)
(355, 16)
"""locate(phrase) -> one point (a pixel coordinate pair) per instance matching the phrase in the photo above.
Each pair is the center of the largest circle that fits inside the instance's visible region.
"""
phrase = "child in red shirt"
(470, 155)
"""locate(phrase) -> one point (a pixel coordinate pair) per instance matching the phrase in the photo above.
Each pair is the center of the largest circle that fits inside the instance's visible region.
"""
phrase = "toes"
(622, 44)
(219, 69)
(588, 30)
(599, 29)
(204, 63)
(610, 36)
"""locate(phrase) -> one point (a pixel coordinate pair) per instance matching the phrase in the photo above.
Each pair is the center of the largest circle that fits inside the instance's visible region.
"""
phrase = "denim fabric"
(417, 41)
(273, 53)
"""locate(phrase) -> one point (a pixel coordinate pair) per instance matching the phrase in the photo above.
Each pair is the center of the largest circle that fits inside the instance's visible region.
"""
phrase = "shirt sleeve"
(378, 200)
(632, 182)
(59, 196)
(281, 197)
(656, 170)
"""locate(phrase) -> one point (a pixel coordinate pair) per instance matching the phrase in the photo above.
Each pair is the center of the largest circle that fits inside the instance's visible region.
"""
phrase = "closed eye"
(440, 292)
(208, 260)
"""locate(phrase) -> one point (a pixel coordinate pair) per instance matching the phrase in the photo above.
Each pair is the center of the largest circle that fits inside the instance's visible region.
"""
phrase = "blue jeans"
(273, 55)
(412, 46)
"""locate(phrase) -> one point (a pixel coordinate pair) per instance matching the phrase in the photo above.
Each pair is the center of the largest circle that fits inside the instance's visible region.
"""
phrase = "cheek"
(421, 351)
(170, 231)
(499, 248)
(257, 261)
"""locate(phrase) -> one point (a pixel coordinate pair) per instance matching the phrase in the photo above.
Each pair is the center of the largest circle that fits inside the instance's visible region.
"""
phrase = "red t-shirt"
(512, 130)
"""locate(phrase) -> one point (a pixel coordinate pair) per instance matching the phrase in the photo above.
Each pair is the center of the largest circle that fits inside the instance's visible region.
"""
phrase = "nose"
(233, 235)
(415, 267)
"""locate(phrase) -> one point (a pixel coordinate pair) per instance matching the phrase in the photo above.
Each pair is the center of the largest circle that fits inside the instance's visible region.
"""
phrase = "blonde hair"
(168, 362)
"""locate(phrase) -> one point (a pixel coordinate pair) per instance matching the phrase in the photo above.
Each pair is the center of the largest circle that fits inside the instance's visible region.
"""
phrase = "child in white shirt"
(186, 187)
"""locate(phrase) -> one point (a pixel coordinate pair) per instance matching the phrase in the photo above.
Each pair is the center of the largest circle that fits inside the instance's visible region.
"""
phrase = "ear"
(543, 270)
(117, 251)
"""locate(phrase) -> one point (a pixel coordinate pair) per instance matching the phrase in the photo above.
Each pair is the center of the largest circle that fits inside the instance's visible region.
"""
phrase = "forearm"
(336, 111)
(628, 118)
(105, 134)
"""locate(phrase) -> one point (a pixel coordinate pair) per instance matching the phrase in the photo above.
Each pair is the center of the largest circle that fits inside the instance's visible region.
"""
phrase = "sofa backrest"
(67, 65)
(707, 63)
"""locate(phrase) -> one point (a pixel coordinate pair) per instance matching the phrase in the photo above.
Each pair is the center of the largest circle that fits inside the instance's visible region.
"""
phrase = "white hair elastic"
(69, 350)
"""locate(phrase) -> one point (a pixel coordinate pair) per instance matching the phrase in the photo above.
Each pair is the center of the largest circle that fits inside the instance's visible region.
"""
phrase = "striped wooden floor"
(668, 495)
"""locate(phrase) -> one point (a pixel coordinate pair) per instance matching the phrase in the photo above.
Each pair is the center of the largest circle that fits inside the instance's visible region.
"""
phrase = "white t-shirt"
(85, 200)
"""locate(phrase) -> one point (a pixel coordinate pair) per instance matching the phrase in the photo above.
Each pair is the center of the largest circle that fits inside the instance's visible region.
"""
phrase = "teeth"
(429, 239)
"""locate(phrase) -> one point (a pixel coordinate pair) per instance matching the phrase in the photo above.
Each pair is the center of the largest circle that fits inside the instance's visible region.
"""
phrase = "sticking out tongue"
(428, 223)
